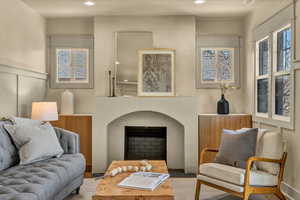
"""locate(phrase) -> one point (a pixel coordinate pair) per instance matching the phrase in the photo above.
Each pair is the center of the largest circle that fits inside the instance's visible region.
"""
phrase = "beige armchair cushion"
(237, 175)
(270, 144)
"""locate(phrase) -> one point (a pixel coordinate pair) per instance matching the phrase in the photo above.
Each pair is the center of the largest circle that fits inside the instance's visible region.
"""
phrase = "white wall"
(261, 13)
(22, 58)
(207, 98)
(84, 98)
(175, 136)
(22, 36)
(176, 32)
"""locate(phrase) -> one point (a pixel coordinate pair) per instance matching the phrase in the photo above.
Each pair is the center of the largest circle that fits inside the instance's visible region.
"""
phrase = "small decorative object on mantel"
(109, 83)
(67, 103)
(223, 104)
(156, 72)
(113, 87)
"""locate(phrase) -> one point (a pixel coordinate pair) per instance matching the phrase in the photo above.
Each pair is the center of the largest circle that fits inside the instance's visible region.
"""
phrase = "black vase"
(223, 106)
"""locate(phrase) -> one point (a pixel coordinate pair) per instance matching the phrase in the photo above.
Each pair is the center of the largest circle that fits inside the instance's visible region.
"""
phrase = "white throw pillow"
(35, 142)
(270, 144)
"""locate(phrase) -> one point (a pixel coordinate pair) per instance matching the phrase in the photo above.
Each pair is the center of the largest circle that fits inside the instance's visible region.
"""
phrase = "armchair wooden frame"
(248, 189)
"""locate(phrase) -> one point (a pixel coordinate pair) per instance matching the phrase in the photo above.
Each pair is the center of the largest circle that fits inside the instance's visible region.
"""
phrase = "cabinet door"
(83, 126)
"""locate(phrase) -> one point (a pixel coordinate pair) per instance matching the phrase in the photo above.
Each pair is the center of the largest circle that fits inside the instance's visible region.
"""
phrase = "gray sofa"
(52, 179)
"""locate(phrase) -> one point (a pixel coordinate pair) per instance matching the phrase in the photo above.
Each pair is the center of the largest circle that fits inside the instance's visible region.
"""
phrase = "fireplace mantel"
(108, 109)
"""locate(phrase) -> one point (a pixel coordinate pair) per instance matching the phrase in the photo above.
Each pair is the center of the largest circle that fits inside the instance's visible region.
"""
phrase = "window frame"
(276, 73)
(270, 117)
(260, 77)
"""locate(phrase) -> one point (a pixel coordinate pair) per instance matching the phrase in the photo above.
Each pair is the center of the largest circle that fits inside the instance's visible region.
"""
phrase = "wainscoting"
(19, 88)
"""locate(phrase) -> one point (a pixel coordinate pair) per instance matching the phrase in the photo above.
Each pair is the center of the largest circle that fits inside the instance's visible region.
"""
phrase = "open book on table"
(144, 180)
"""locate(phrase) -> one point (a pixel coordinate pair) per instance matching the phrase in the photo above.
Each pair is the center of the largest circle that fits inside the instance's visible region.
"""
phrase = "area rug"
(184, 189)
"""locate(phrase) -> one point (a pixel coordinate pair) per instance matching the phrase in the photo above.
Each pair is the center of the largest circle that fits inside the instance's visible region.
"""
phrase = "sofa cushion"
(237, 175)
(8, 152)
(41, 180)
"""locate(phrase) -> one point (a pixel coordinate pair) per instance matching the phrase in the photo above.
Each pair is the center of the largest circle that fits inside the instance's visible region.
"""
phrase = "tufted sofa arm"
(69, 141)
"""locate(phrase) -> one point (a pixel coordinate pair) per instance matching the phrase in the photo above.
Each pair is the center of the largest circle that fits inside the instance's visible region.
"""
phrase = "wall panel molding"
(21, 87)
(22, 71)
(290, 192)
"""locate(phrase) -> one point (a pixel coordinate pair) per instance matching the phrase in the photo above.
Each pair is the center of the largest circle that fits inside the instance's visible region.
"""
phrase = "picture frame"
(156, 75)
(218, 43)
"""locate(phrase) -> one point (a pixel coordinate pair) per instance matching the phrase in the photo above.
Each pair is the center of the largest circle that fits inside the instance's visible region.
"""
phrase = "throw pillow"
(270, 145)
(35, 142)
(237, 147)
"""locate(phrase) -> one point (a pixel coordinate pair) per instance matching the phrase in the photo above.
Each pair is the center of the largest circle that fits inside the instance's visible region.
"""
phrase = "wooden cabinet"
(211, 126)
(82, 125)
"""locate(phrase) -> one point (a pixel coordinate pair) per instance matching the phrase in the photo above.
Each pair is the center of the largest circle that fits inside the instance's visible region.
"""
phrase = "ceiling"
(72, 8)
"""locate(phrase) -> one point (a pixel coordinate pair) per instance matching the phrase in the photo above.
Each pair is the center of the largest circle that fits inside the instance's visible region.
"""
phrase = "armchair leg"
(246, 196)
(198, 188)
(280, 195)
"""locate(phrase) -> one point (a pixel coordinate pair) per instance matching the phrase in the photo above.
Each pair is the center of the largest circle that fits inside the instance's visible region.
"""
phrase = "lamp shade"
(44, 111)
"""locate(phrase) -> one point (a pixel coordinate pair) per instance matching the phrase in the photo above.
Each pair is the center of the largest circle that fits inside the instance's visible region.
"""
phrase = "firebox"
(145, 143)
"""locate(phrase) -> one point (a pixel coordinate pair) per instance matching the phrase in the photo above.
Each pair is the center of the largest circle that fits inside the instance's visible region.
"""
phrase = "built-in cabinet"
(211, 126)
(82, 125)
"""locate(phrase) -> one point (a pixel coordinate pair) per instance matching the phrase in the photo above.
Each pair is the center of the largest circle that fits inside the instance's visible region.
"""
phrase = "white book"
(144, 180)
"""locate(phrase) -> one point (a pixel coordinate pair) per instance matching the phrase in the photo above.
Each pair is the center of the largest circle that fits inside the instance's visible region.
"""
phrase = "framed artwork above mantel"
(156, 72)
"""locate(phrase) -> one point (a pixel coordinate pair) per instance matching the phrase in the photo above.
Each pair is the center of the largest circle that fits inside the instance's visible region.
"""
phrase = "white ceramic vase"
(67, 103)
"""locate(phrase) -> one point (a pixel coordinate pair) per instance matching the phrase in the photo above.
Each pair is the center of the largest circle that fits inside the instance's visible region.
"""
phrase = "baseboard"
(290, 192)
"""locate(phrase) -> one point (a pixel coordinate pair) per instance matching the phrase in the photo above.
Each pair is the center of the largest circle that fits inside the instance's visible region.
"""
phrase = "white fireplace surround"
(181, 109)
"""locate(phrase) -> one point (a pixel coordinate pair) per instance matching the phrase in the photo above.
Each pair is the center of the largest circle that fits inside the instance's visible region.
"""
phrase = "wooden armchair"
(247, 188)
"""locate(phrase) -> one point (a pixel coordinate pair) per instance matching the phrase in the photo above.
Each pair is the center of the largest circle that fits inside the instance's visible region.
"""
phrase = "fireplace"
(178, 114)
(148, 143)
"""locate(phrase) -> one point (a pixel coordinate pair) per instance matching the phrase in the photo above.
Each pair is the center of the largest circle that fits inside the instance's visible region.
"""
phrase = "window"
(262, 76)
(72, 65)
(71, 61)
(282, 59)
(273, 84)
(217, 65)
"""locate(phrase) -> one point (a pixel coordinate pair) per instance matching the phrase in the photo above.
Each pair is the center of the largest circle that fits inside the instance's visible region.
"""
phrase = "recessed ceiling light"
(199, 1)
(89, 3)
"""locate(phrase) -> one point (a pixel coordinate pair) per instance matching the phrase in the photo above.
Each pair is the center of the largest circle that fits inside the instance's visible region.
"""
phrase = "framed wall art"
(156, 72)
(218, 61)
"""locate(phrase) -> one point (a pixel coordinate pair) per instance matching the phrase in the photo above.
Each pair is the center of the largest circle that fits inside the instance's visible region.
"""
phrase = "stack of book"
(144, 180)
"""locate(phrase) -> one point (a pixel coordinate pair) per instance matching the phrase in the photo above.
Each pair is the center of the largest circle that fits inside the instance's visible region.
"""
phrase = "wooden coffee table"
(107, 188)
